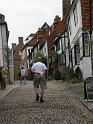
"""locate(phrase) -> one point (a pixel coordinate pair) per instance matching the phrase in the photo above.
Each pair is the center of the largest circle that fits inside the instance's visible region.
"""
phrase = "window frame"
(84, 43)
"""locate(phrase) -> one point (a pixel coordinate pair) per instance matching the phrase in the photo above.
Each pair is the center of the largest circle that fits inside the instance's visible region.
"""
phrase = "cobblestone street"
(60, 107)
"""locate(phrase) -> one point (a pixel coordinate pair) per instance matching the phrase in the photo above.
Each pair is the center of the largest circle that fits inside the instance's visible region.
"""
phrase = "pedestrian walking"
(39, 80)
(23, 76)
(4, 73)
(1, 77)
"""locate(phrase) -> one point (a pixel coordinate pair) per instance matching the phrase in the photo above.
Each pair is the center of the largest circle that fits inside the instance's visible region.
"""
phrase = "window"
(62, 59)
(45, 49)
(63, 44)
(75, 15)
(28, 51)
(73, 56)
(86, 44)
(58, 45)
(77, 54)
(69, 26)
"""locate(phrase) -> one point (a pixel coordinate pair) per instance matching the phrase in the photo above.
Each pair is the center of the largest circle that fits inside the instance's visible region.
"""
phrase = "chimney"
(66, 4)
(2, 17)
(13, 45)
(40, 33)
(57, 19)
(20, 39)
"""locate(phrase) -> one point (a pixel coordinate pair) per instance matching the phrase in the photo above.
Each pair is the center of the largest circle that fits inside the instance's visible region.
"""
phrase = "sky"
(24, 17)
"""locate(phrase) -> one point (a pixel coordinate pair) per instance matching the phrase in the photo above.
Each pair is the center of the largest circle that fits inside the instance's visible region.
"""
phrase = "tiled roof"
(59, 29)
(31, 35)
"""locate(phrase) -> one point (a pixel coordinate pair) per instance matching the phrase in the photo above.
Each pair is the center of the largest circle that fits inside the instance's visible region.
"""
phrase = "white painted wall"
(1, 52)
(77, 28)
(86, 67)
(76, 35)
(3, 46)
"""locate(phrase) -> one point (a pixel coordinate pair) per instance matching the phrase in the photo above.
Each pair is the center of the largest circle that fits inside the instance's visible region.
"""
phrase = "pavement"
(9, 88)
(63, 105)
(77, 89)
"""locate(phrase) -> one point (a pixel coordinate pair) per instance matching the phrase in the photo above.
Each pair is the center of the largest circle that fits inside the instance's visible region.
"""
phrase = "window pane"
(86, 49)
(86, 44)
(75, 15)
(77, 54)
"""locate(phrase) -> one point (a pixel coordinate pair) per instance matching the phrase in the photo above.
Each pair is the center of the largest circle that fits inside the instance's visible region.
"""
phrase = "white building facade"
(3, 42)
(78, 37)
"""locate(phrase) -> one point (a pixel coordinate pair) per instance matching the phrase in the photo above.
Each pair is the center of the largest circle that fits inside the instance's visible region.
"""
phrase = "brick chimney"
(40, 33)
(13, 45)
(2, 17)
(57, 19)
(20, 40)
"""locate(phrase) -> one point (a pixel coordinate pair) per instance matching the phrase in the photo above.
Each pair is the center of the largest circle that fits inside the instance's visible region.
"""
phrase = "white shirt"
(39, 67)
(23, 72)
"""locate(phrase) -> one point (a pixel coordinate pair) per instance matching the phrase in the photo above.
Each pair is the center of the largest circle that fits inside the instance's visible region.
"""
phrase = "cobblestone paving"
(60, 107)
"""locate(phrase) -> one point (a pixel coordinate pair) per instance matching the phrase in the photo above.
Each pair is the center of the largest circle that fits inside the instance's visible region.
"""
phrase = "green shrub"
(30, 78)
(50, 77)
(74, 80)
(57, 75)
(78, 73)
(67, 74)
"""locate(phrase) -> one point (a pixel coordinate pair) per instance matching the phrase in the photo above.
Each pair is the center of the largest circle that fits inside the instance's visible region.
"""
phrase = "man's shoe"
(41, 100)
(37, 97)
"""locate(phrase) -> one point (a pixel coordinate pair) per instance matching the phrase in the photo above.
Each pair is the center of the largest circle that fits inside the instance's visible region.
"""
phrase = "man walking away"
(39, 79)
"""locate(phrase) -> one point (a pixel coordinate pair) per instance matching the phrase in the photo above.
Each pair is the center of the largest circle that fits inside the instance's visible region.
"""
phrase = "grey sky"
(25, 16)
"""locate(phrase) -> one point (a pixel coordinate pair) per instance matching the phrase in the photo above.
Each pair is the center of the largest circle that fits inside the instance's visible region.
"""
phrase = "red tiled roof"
(59, 29)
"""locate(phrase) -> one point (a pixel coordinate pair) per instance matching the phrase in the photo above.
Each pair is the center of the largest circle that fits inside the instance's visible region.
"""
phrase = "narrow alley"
(60, 107)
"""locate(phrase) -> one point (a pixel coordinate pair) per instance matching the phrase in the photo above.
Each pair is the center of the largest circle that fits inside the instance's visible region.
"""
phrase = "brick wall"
(66, 5)
(85, 7)
(17, 57)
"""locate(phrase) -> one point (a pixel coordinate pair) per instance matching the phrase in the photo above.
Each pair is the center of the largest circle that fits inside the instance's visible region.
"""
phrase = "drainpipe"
(90, 32)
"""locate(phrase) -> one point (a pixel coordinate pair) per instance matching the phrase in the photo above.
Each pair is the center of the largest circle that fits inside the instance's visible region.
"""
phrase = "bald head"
(39, 59)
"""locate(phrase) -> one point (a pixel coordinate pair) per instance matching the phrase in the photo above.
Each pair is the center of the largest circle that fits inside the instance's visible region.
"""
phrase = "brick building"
(17, 57)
